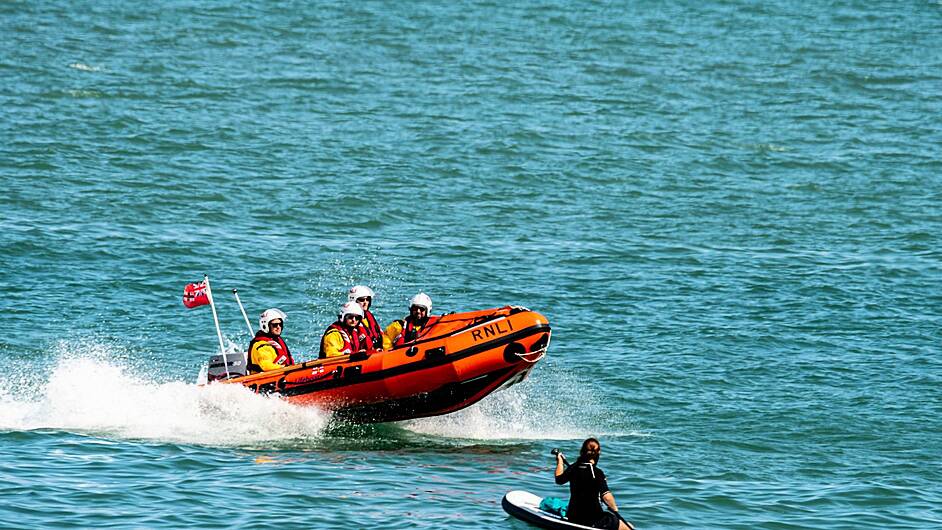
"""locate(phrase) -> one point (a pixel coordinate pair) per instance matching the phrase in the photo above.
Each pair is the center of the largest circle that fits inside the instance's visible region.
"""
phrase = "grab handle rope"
(541, 352)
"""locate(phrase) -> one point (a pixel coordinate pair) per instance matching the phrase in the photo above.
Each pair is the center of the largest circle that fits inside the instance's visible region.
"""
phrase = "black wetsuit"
(586, 486)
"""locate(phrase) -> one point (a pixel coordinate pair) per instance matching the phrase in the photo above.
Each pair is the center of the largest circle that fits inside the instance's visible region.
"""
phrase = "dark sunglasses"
(276, 324)
(358, 317)
(365, 299)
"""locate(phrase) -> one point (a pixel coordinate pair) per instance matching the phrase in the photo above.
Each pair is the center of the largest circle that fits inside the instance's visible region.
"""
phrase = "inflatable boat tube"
(457, 361)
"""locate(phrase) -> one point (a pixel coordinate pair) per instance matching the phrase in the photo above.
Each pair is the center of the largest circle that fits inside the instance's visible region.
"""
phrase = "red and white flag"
(194, 295)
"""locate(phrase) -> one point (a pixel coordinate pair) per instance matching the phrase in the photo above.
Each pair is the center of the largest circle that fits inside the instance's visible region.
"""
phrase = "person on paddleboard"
(268, 350)
(410, 328)
(346, 336)
(363, 295)
(587, 485)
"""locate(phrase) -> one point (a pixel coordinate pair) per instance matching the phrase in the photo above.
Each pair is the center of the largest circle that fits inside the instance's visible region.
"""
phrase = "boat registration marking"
(491, 329)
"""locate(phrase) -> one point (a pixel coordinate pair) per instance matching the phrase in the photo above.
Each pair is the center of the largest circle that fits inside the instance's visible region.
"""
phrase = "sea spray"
(92, 396)
(555, 406)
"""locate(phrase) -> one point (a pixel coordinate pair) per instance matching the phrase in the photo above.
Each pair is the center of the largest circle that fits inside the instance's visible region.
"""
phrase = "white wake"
(89, 395)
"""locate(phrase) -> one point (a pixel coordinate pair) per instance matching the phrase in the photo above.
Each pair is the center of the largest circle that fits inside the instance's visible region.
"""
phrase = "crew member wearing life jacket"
(268, 350)
(346, 336)
(401, 332)
(363, 295)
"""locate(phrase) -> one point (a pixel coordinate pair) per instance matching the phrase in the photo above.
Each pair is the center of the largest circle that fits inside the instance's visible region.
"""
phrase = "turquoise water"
(729, 213)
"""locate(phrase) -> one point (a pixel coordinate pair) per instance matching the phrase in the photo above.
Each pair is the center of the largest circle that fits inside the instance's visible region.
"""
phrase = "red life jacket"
(373, 331)
(282, 354)
(354, 342)
(410, 332)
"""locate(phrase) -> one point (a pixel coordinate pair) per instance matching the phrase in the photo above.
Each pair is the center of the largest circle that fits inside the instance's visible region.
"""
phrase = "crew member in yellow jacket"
(346, 336)
(410, 328)
(268, 350)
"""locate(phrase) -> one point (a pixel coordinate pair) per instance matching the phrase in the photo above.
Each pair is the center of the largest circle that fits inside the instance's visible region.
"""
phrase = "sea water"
(729, 211)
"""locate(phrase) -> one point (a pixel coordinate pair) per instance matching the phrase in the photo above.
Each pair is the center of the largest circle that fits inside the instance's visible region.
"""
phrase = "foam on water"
(505, 415)
(553, 408)
(90, 395)
(84, 67)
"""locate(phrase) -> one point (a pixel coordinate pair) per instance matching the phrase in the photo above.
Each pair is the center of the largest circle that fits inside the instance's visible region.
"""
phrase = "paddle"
(629, 525)
(555, 452)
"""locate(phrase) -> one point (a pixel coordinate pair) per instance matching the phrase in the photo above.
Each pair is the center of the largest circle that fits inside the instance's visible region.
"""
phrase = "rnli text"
(490, 330)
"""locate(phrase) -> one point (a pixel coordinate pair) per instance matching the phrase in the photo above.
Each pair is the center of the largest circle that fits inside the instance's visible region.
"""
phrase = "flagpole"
(235, 292)
(212, 305)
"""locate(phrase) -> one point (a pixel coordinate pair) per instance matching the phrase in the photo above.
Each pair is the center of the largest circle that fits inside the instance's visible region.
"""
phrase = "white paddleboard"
(526, 506)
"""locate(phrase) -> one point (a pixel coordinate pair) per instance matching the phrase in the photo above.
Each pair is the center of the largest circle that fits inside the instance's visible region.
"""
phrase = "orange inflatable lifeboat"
(460, 359)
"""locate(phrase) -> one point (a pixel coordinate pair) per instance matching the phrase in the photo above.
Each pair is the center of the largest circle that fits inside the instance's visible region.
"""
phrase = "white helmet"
(268, 315)
(422, 300)
(350, 308)
(359, 291)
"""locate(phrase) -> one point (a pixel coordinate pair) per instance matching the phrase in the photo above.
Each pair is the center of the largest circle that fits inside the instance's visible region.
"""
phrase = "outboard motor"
(234, 362)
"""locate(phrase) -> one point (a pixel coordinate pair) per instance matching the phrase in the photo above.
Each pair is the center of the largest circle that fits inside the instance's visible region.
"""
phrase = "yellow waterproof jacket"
(340, 340)
(268, 353)
(333, 344)
(395, 329)
(392, 331)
